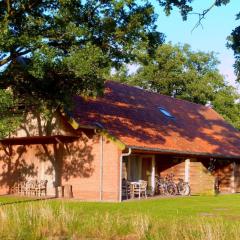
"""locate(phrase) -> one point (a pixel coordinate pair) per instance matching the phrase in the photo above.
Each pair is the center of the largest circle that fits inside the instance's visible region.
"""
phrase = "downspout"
(120, 174)
(101, 167)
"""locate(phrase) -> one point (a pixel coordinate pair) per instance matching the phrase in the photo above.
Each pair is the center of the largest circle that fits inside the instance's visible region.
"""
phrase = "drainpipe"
(101, 167)
(120, 180)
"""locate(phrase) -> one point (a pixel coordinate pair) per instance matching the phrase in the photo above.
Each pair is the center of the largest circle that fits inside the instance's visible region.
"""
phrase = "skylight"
(165, 112)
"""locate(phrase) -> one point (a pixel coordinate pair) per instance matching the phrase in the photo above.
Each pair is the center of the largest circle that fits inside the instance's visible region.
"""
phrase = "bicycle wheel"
(161, 190)
(171, 189)
(184, 189)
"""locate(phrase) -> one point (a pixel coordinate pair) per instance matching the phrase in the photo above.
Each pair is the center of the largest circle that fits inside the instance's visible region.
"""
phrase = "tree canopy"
(234, 43)
(185, 8)
(69, 43)
(10, 118)
(51, 50)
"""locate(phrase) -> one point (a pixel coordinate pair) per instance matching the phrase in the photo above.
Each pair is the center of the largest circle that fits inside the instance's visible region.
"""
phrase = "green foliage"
(53, 50)
(226, 102)
(9, 115)
(183, 5)
(185, 8)
(179, 72)
(234, 43)
(68, 46)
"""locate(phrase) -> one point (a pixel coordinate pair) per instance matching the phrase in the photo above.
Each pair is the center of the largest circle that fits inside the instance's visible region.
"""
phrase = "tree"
(186, 8)
(51, 50)
(234, 43)
(69, 40)
(226, 102)
(177, 71)
(10, 117)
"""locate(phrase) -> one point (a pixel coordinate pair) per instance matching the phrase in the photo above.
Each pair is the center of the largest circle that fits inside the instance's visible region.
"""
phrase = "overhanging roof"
(132, 115)
(182, 153)
(38, 140)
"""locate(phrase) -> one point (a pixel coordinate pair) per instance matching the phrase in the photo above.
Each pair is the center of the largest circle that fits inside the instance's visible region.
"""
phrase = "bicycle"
(183, 188)
(160, 186)
(171, 185)
(165, 186)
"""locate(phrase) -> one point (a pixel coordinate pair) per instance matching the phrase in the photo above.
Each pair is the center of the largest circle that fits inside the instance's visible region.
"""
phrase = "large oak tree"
(51, 50)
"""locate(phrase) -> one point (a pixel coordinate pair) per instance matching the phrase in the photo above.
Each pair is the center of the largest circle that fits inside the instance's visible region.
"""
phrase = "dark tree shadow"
(68, 158)
(14, 167)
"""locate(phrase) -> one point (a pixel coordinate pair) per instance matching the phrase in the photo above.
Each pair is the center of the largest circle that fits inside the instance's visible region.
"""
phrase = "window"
(166, 113)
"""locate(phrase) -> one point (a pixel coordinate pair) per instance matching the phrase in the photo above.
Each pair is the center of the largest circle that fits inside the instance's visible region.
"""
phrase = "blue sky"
(217, 25)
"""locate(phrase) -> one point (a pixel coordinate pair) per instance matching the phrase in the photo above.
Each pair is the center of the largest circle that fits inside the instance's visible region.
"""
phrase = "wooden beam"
(153, 174)
(187, 170)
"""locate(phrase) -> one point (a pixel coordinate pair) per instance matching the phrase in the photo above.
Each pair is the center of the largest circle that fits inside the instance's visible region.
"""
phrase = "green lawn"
(205, 217)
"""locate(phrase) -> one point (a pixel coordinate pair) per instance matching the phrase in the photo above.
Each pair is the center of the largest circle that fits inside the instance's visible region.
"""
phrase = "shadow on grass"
(17, 200)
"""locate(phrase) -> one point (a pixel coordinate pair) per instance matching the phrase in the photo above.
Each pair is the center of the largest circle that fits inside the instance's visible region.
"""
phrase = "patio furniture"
(126, 188)
(41, 187)
(16, 188)
(30, 187)
(139, 188)
(23, 188)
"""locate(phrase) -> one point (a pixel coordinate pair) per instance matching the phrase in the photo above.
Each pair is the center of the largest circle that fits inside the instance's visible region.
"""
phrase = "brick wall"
(88, 185)
(80, 167)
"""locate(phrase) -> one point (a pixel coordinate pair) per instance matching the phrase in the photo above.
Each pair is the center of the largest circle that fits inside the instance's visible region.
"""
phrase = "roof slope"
(132, 115)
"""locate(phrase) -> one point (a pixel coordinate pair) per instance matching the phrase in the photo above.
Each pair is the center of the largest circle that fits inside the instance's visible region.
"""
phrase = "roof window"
(166, 113)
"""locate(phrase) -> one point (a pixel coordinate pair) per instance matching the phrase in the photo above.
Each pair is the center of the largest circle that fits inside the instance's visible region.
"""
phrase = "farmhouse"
(129, 133)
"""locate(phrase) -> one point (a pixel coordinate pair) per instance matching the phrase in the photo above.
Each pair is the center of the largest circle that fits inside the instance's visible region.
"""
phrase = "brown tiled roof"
(132, 115)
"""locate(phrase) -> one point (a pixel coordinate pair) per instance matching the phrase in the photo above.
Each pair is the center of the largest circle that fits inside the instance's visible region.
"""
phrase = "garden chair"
(30, 187)
(126, 191)
(140, 189)
(41, 188)
(22, 188)
(16, 188)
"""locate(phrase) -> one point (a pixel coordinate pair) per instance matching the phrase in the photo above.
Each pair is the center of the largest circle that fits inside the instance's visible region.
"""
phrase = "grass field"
(205, 218)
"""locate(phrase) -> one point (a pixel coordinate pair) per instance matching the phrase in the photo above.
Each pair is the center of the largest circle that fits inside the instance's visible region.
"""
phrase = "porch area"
(205, 176)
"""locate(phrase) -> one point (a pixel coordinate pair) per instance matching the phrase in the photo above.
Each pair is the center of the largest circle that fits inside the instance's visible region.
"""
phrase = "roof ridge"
(155, 93)
(197, 128)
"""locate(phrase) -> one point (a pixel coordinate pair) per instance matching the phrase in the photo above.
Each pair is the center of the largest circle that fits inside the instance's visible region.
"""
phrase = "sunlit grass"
(204, 218)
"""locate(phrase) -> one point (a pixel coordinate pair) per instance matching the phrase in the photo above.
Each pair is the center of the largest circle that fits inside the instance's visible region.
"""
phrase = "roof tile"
(132, 115)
